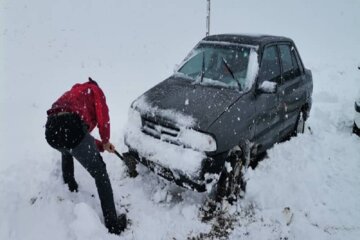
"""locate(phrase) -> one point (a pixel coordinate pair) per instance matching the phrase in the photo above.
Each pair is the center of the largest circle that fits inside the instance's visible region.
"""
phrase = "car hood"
(176, 99)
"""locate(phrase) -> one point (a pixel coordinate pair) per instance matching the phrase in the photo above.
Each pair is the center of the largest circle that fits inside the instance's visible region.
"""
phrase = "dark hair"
(92, 81)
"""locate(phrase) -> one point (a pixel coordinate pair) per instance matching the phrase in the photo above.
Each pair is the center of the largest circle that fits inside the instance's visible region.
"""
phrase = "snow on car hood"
(176, 117)
(186, 104)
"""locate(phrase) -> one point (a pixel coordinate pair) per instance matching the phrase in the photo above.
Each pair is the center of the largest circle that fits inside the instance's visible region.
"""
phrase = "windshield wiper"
(231, 72)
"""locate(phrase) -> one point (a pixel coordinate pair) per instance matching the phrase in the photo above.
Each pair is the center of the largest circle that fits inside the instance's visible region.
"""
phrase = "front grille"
(164, 132)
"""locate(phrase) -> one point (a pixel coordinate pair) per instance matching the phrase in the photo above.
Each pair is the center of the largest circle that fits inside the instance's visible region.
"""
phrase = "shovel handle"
(119, 155)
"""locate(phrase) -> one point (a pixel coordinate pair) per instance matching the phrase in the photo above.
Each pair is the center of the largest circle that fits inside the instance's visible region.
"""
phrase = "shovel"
(130, 162)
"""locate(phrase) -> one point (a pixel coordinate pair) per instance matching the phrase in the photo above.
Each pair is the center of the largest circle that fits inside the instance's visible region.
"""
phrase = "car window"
(286, 58)
(220, 65)
(296, 59)
(193, 66)
(289, 62)
(270, 68)
(293, 58)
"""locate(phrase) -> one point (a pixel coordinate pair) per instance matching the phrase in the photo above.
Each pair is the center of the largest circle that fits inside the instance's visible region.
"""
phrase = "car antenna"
(208, 18)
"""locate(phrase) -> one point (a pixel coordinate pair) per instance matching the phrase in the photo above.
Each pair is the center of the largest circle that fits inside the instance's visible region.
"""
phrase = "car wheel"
(300, 124)
(231, 183)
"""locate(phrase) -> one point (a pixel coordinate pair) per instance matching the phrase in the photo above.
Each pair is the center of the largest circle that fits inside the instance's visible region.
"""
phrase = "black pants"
(89, 157)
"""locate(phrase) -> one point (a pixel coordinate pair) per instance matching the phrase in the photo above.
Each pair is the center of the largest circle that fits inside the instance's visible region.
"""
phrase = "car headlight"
(134, 118)
(197, 140)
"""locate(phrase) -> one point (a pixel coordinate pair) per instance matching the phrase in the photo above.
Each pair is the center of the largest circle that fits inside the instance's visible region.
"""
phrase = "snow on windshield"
(178, 118)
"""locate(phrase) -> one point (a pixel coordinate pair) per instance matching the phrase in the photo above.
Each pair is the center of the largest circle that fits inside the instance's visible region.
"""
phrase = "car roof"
(259, 40)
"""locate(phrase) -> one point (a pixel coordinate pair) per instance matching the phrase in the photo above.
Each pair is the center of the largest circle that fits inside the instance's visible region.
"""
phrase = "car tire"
(231, 184)
(300, 124)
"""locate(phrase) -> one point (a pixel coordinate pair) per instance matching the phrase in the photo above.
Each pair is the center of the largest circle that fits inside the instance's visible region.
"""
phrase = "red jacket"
(88, 101)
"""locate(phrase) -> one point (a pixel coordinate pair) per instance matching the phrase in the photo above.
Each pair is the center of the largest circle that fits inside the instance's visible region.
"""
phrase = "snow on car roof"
(229, 44)
(246, 39)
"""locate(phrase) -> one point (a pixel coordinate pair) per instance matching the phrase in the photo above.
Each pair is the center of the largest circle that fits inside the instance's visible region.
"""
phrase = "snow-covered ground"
(307, 188)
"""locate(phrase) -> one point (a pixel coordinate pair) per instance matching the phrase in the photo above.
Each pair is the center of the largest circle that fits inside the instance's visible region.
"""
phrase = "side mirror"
(267, 87)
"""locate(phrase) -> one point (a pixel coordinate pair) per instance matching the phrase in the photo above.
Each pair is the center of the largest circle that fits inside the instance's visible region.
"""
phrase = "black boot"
(119, 226)
(73, 186)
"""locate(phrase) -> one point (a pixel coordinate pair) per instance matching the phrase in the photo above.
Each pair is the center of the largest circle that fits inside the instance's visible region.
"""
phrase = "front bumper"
(187, 167)
(173, 175)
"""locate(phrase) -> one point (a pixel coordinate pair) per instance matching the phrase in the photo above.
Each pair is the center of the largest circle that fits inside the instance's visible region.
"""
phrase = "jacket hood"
(186, 104)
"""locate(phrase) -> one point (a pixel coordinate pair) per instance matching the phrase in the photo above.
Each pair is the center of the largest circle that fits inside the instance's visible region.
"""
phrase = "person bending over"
(70, 120)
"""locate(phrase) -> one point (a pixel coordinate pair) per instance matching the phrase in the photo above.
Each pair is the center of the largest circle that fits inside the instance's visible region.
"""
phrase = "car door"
(292, 93)
(267, 120)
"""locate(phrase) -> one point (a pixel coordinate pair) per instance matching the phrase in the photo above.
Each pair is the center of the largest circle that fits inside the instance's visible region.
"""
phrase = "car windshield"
(221, 65)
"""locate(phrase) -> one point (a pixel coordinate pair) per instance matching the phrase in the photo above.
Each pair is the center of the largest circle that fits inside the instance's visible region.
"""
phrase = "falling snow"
(306, 188)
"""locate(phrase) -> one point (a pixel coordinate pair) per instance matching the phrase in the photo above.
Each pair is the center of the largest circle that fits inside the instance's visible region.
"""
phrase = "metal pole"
(208, 18)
